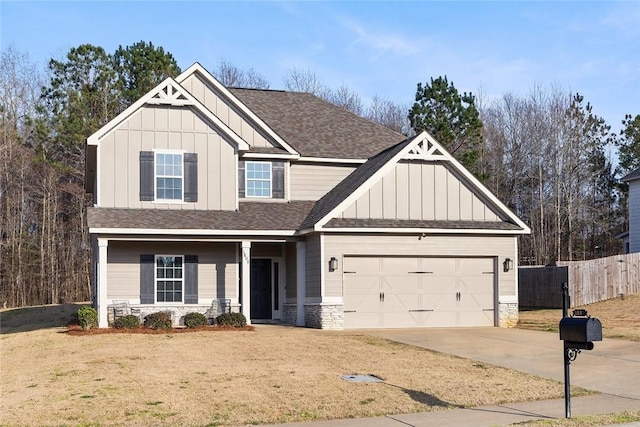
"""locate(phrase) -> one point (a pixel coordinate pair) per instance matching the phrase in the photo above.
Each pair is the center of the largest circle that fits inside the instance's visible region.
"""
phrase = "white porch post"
(245, 272)
(101, 299)
(301, 289)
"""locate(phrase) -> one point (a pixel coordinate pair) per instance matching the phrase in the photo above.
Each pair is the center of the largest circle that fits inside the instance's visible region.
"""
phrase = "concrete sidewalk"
(612, 368)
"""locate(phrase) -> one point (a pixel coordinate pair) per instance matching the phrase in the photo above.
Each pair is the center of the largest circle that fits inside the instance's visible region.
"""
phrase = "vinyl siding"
(313, 266)
(421, 191)
(219, 106)
(217, 268)
(172, 128)
(634, 216)
(312, 181)
(409, 245)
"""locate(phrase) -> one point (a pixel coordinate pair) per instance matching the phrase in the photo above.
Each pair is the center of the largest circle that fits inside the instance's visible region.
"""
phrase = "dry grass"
(620, 318)
(586, 421)
(272, 374)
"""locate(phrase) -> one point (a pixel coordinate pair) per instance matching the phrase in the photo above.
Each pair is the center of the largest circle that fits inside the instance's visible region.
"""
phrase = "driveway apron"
(612, 367)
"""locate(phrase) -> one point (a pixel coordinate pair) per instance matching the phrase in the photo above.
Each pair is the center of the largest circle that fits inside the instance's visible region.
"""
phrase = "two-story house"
(293, 209)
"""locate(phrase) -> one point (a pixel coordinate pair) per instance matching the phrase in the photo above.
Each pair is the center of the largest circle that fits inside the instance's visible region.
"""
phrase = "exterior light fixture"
(507, 264)
(333, 264)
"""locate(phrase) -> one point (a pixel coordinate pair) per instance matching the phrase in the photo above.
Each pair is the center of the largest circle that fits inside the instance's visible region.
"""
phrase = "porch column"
(301, 280)
(245, 272)
(101, 299)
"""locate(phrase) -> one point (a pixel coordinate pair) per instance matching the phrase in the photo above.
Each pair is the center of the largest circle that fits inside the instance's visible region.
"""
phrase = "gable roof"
(631, 176)
(317, 128)
(168, 92)
(350, 184)
(196, 68)
(421, 147)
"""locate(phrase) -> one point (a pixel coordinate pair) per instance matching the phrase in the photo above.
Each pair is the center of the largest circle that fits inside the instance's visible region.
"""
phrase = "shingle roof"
(402, 223)
(316, 128)
(250, 216)
(350, 184)
(632, 176)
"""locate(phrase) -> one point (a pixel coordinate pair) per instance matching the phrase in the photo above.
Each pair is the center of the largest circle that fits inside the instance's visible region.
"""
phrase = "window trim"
(246, 179)
(155, 280)
(155, 176)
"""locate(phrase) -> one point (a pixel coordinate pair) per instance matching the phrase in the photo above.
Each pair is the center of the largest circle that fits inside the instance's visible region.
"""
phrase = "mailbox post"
(578, 332)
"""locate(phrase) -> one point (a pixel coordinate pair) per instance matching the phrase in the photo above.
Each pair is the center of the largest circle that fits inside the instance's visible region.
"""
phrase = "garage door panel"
(361, 320)
(438, 265)
(475, 318)
(398, 265)
(439, 319)
(398, 292)
(400, 320)
(406, 284)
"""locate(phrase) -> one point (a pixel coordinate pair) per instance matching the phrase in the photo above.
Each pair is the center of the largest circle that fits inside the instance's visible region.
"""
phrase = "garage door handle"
(421, 272)
(348, 272)
(349, 311)
(421, 310)
(381, 296)
(457, 296)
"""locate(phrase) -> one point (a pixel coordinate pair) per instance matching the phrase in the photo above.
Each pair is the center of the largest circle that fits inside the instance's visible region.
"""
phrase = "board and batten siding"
(340, 246)
(291, 288)
(217, 268)
(312, 181)
(420, 191)
(634, 216)
(222, 108)
(313, 263)
(171, 128)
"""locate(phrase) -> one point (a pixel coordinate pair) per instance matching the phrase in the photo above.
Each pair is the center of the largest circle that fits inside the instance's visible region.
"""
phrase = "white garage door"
(402, 292)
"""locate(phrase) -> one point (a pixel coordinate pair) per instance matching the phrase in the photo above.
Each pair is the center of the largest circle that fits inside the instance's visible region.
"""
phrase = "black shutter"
(147, 287)
(277, 170)
(190, 177)
(191, 279)
(241, 177)
(146, 176)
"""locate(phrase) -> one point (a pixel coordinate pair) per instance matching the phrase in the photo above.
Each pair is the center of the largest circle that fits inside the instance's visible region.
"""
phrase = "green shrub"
(158, 320)
(234, 319)
(193, 320)
(129, 321)
(88, 317)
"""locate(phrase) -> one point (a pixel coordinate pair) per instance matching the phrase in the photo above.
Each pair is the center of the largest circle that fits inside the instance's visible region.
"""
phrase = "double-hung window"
(169, 278)
(258, 179)
(169, 176)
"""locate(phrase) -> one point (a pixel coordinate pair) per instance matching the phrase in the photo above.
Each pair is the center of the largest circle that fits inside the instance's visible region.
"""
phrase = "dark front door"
(261, 289)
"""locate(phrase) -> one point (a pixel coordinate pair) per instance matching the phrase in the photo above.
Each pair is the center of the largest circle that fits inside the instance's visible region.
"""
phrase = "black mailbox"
(580, 332)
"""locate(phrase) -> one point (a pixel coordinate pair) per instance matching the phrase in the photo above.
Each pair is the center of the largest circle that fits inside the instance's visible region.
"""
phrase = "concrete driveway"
(612, 367)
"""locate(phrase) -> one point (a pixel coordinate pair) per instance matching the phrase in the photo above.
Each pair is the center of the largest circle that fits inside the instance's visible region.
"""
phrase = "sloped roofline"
(436, 153)
(631, 176)
(198, 68)
(148, 98)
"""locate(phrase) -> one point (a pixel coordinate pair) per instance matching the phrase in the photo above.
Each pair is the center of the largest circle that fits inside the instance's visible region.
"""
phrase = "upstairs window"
(258, 179)
(261, 179)
(169, 176)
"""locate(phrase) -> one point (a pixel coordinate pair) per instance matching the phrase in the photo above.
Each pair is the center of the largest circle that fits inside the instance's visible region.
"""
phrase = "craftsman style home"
(291, 210)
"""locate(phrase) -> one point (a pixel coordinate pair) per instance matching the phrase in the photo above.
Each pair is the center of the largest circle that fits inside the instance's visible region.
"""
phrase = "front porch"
(263, 279)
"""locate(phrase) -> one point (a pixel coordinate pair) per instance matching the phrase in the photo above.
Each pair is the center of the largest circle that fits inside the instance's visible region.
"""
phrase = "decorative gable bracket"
(170, 94)
(425, 150)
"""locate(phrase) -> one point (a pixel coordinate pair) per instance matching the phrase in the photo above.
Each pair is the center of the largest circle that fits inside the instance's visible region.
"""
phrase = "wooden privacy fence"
(589, 281)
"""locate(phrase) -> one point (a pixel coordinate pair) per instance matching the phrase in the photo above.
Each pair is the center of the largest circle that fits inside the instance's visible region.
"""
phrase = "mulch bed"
(74, 328)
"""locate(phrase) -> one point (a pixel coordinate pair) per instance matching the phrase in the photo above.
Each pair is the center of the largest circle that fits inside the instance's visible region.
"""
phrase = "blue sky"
(382, 48)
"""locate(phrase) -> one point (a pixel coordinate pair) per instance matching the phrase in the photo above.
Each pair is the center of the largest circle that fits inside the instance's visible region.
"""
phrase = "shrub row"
(88, 318)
